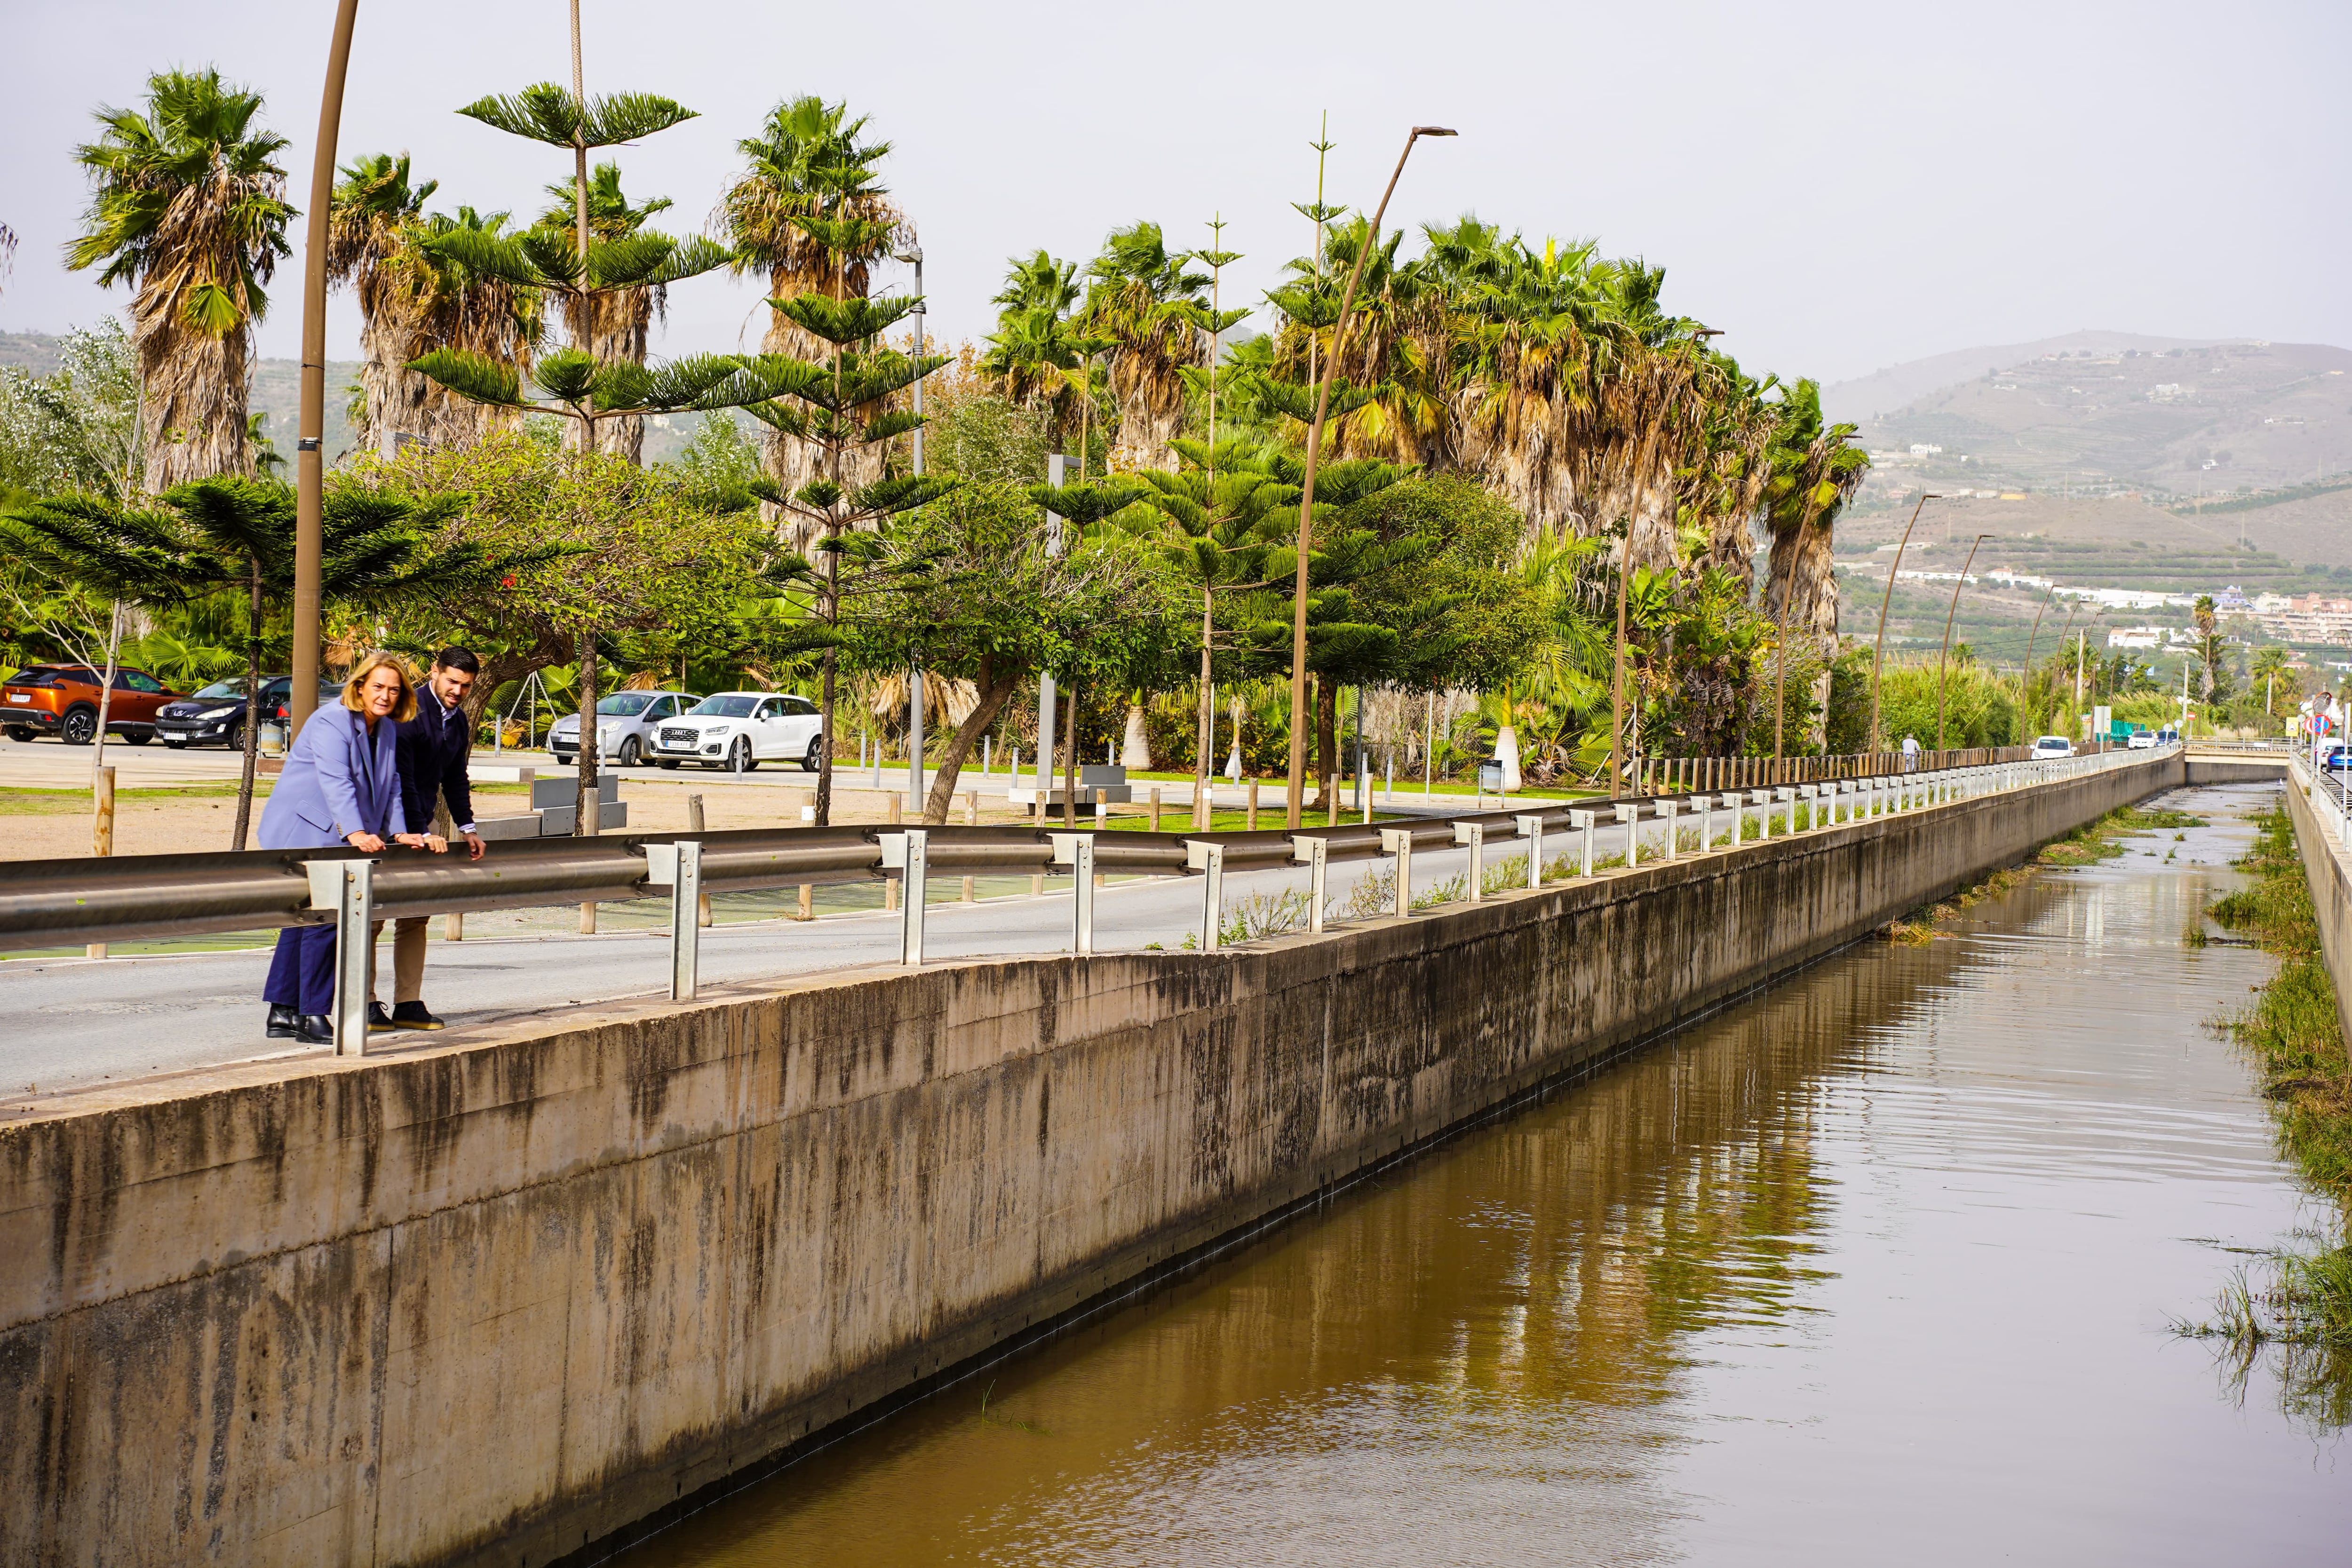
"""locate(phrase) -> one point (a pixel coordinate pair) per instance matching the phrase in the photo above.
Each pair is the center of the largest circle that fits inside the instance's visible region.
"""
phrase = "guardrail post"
(1731, 800)
(1786, 796)
(1581, 821)
(1076, 850)
(904, 853)
(1666, 809)
(678, 867)
(1705, 808)
(1474, 833)
(1531, 829)
(1209, 859)
(1398, 841)
(348, 887)
(1315, 854)
(1632, 815)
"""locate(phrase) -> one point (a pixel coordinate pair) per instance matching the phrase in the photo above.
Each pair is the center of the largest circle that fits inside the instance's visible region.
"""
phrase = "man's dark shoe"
(412, 1015)
(378, 1021)
(315, 1029)
(281, 1022)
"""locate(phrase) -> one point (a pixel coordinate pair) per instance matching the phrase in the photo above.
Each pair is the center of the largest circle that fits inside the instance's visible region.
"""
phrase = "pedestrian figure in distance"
(435, 747)
(341, 786)
(1910, 754)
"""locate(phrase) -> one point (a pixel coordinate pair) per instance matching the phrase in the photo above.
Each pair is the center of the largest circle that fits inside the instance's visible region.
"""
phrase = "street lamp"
(309, 464)
(1297, 801)
(913, 257)
(1878, 652)
(1946, 654)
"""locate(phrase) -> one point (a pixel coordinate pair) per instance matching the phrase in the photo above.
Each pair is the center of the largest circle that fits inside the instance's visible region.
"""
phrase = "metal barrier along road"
(59, 903)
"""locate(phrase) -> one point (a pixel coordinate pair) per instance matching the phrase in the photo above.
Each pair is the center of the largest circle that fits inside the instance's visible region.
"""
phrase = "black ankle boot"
(282, 1025)
(315, 1029)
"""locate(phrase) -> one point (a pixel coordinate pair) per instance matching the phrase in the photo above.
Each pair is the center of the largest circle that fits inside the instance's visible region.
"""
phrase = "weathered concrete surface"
(485, 1302)
(2327, 866)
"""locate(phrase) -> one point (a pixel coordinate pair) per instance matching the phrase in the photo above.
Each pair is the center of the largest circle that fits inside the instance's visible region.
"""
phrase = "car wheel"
(631, 754)
(234, 738)
(666, 764)
(80, 727)
(741, 759)
(19, 732)
(815, 758)
(138, 737)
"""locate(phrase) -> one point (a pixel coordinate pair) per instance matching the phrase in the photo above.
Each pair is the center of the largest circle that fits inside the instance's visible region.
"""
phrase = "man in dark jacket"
(434, 747)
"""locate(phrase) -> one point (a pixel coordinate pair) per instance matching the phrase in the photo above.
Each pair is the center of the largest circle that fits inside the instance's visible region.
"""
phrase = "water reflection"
(1875, 1267)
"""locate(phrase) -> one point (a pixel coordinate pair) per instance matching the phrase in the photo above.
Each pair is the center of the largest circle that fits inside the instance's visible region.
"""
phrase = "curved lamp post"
(1878, 651)
(1946, 654)
(1306, 497)
(310, 463)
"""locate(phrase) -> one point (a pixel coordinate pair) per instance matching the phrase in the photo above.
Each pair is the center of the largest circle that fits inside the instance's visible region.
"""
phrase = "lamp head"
(1434, 130)
(912, 254)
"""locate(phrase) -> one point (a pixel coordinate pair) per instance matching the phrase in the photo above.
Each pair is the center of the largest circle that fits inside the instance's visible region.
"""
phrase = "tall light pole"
(1878, 652)
(1298, 800)
(1946, 654)
(310, 463)
(2025, 678)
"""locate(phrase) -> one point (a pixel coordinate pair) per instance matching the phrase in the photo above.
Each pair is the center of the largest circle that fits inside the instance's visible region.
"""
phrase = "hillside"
(277, 392)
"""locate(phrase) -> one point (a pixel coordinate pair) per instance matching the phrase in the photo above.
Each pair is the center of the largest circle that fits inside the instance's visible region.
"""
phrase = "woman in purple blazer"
(341, 786)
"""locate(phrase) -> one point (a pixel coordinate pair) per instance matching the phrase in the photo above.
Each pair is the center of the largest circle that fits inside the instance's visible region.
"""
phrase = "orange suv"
(61, 700)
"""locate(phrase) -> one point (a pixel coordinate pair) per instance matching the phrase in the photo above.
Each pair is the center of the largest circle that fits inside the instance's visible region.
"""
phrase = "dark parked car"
(61, 700)
(216, 716)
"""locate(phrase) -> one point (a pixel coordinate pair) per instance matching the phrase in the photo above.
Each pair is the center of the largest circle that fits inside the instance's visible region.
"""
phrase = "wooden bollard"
(1155, 808)
(1253, 806)
(694, 820)
(970, 819)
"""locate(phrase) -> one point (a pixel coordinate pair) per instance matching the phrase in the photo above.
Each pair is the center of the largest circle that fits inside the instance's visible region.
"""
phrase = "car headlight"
(216, 712)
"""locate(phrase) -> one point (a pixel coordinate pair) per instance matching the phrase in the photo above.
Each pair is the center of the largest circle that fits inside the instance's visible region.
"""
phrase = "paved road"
(74, 1022)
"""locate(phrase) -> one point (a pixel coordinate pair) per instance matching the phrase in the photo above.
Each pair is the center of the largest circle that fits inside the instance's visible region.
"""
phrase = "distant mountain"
(2098, 413)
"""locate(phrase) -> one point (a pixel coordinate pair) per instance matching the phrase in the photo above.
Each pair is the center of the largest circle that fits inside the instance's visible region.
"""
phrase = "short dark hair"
(457, 658)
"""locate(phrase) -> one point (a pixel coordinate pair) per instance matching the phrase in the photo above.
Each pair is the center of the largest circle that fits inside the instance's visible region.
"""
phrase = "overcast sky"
(1837, 189)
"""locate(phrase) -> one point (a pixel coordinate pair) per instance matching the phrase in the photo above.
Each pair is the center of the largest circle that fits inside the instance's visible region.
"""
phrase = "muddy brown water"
(1876, 1268)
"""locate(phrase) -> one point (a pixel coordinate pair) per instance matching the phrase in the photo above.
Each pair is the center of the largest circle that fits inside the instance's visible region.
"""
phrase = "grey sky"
(1838, 190)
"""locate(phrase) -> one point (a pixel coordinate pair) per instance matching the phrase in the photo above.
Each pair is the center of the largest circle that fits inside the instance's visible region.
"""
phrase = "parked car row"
(738, 730)
(62, 699)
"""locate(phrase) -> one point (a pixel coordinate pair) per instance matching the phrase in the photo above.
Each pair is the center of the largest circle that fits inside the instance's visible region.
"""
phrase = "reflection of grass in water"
(2298, 1320)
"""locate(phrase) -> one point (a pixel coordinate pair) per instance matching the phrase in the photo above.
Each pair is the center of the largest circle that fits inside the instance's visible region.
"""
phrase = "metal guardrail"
(56, 903)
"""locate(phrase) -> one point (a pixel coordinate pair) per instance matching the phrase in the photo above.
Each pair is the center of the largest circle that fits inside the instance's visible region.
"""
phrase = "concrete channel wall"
(2327, 866)
(494, 1301)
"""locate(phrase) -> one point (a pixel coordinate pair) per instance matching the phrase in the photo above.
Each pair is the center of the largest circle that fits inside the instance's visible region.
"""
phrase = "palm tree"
(807, 162)
(412, 303)
(190, 210)
(1036, 351)
(1814, 474)
(1151, 305)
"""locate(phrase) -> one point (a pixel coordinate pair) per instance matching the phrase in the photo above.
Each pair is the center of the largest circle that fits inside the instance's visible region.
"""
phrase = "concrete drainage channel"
(502, 1300)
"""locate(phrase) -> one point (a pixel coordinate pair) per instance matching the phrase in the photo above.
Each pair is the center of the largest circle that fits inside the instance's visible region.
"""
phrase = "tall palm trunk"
(194, 391)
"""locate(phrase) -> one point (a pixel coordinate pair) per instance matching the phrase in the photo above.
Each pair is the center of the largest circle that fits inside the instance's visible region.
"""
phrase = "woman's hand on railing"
(365, 843)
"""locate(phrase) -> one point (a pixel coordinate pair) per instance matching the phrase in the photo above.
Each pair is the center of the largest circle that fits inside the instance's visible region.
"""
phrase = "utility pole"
(1878, 651)
(1297, 793)
(914, 255)
(1948, 617)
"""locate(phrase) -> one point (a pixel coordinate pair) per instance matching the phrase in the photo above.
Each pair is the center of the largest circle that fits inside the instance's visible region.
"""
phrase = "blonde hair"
(403, 711)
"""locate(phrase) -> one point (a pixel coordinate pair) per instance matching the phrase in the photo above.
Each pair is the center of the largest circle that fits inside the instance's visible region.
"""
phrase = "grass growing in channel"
(2301, 1306)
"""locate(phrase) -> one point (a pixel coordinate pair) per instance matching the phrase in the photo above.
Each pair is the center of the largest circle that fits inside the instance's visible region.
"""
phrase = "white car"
(2141, 741)
(740, 730)
(2050, 746)
(624, 725)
